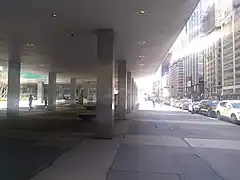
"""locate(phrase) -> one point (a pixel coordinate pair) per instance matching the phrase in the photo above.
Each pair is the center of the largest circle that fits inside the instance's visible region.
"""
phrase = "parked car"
(209, 108)
(194, 107)
(229, 109)
(184, 104)
(176, 103)
(167, 102)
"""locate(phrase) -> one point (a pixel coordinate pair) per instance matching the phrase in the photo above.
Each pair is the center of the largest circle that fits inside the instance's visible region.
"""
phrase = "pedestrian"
(45, 102)
(30, 100)
(153, 101)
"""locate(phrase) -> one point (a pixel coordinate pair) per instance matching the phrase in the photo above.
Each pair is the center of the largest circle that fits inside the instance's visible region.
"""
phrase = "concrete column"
(14, 69)
(40, 91)
(122, 89)
(129, 92)
(85, 92)
(133, 94)
(73, 92)
(105, 83)
(52, 87)
(136, 93)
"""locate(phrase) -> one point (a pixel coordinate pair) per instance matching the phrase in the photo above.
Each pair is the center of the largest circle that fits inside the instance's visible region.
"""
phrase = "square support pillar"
(122, 90)
(133, 93)
(73, 92)
(129, 92)
(136, 93)
(14, 69)
(105, 83)
(52, 87)
(40, 92)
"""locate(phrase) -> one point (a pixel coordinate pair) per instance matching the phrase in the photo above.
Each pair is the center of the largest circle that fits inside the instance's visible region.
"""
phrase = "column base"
(129, 111)
(73, 105)
(12, 113)
(120, 114)
(51, 108)
(103, 131)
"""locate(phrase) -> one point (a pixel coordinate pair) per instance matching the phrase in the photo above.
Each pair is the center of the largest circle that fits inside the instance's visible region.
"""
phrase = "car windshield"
(236, 105)
(213, 103)
(195, 103)
(203, 102)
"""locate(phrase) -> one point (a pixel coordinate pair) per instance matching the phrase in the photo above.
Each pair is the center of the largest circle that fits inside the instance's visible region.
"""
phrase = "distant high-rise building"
(222, 10)
(176, 79)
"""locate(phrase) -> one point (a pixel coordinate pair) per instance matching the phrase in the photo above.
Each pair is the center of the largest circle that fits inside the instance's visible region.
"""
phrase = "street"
(162, 143)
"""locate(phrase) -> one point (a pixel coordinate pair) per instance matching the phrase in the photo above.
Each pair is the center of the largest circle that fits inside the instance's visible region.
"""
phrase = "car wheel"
(234, 118)
(218, 115)
(209, 113)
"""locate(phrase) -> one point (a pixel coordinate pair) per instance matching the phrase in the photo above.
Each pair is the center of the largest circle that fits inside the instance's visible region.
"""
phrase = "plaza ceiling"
(58, 35)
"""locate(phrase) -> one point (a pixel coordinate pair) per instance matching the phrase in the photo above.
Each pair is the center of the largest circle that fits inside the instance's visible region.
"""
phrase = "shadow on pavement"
(21, 159)
(29, 144)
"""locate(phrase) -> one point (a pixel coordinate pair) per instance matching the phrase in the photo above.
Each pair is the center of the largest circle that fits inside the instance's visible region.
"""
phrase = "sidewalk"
(146, 150)
(90, 160)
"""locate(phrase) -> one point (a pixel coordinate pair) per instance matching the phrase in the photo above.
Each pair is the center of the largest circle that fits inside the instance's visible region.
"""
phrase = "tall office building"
(176, 79)
(198, 25)
(213, 70)
(209, 47)
(230, 31)
(165, 85)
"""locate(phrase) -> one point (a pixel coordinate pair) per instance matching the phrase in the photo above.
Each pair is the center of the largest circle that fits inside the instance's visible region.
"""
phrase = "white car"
(194, 107)
(229, 109)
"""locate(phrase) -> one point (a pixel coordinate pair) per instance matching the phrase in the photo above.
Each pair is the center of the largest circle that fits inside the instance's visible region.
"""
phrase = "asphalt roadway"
(162, 143)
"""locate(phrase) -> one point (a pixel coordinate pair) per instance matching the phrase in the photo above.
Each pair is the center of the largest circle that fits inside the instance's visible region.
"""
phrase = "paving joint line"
(146, 172)
(199, 156)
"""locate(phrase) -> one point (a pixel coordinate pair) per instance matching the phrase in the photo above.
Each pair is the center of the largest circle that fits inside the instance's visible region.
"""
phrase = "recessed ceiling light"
(140, 57)
(29, 45)
(54, 15)
(142, 12)
(142, 42)
(141, 64)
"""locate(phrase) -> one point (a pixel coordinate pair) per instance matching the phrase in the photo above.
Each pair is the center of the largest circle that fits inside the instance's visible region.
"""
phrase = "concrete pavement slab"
(154, 140)
(89, 161)
(214, 143)
(131, 175)
(150, 159)
(21, 159)
(191, 166)
(225, 162)
(151, 151)
(150, 128)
